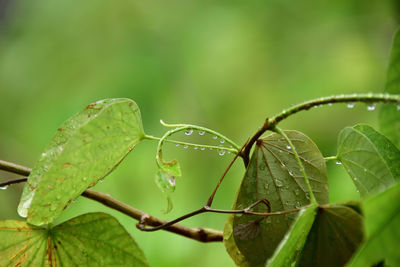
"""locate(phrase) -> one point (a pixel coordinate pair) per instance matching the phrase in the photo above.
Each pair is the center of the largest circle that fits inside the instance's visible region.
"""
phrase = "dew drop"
(329, 104)
(177, 145)
(4, 187)
(185, 146)
(202, 132)
(266, 186)
(398, 107)
(221, 152)
(308, 195)
(365, 170)
(371, 107)
(189, 132)
(215, 137)
(202, 148)
(222, 141)
(101, 180)
(355, 178)
(289, 147)
(172, 181)
(278, 183)
(338, 163)
(196, 147)
(351, 105)
(297, 204)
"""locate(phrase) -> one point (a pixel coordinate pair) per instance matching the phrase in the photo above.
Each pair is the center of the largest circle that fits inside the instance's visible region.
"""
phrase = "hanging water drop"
(172, 181)
(196, 147)
(222, 141)
(288, 147)
(185, 146)
(355, 178)
(297, 204)
(221, 152)
(329, 104)
(202, 148)
(4, 187)
(189, 132)
(177, 145)
(371, 107)
(215, 137)
(398, 107)
(101, 180)
(351, 105)
(202, 132)
(338, 163)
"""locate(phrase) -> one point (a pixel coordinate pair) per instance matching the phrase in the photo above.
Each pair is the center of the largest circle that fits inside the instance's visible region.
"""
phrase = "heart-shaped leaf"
(85, 149)
(274, 174)
(334, 236)
(389, 115)
(372, 161)
(382, 220)
(93, 239)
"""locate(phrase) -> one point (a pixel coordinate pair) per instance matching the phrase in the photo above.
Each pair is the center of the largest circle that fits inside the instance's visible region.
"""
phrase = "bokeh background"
(225, 65)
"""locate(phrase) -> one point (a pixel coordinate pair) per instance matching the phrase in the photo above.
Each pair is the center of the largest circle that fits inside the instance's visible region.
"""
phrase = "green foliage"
(85, 149)
(371, 160)
(382, 220)
(389, 117)
(92, 239)
(273, 174)
(289, 249)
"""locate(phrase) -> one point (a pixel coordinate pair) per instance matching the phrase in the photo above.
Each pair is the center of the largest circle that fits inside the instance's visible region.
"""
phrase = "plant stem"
(296, 155)
(199, 234)
(270, 123)
(330, 158)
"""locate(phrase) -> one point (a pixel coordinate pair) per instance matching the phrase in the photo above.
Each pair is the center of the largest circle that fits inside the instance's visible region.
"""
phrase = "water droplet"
(297, 204)
(221, 152)
(371, 107)
(278, 183)
(338, 163)
(4, 187)
(355, 178)
(398, 107)
(280, 151)
(177, 145)
(101, 180)
(307, 195)
(290, 173)
(222, 141)
(365, 170)
(202, 148)
(215, 137)
(289, 147)
(239, 215)
(202, 132)
(266, 186)
(185, 146)
(189, 132)
(351, 105)
(329, 104)
(44, 154)
(358, 191)
(196, 147)
(172, 181)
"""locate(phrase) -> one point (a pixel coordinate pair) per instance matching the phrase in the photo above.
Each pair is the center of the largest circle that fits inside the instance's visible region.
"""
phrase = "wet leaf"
(371, 160)
(382, 220)
(389, 115)
(291, 246)
(85, 149)
(93, 239)
(334, 236)
(230, 245)
(273, 174)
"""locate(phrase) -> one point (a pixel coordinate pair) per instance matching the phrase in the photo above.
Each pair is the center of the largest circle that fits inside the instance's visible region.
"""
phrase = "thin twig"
(199, 234)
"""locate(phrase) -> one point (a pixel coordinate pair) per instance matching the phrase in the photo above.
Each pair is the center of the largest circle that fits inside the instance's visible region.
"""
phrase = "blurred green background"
(225, 65)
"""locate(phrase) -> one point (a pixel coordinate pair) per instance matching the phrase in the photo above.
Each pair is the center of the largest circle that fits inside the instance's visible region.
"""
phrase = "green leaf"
(85, 149)
(389, 115)
(273, 174)
(372, 161)
(291, 246)
(93, 239)
(334, 237)
(382, 220)
(230, 244)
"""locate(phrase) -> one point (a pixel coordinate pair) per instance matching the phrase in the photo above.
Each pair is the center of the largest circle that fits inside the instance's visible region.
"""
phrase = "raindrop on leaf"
(202, 132)
(221, 152)
(338, 163)
(4, 187)
(288, 147)
(351, 105)
(222, 141)
(189, 132)
(371, 107)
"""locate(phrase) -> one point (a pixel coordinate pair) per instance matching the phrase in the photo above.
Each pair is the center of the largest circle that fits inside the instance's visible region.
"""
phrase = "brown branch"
(199, 234)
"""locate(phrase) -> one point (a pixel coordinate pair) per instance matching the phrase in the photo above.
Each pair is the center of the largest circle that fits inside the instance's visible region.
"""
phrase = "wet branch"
(199, 234)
